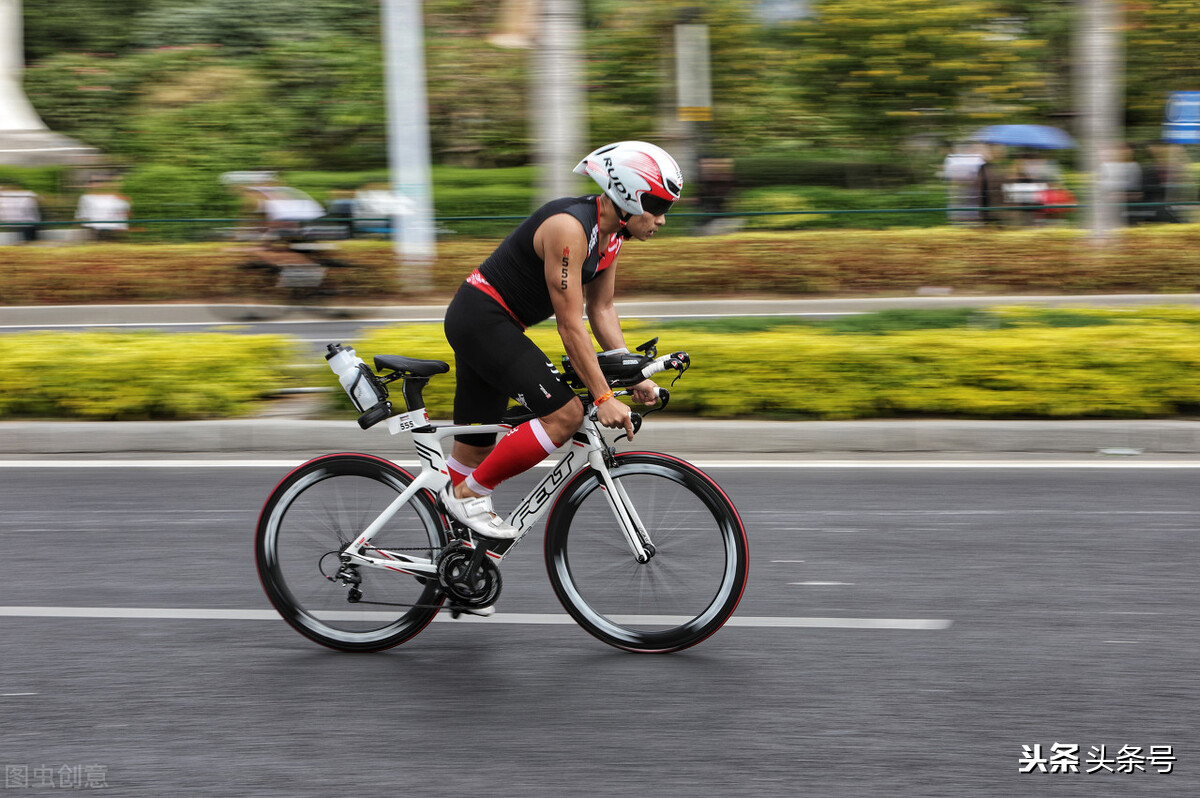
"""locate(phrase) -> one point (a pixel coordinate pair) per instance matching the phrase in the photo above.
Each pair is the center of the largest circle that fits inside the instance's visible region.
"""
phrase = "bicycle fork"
(622, 507)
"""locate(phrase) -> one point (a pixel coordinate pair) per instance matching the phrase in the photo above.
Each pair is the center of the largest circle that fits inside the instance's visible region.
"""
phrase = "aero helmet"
(638, 177)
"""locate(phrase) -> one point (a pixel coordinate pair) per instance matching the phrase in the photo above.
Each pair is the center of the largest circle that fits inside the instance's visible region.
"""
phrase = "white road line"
(554, 619)
(957, 464)
(150, 463)
(821, 584)
(705, 464)
(300, 322)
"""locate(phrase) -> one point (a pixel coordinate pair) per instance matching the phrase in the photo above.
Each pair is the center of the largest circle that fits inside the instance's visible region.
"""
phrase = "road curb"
(693, 437)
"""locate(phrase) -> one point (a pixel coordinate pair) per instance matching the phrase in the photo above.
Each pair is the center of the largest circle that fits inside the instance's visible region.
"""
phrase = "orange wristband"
(603, 399)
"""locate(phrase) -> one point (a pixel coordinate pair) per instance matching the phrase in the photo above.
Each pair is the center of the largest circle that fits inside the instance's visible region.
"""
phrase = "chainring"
(467, 587)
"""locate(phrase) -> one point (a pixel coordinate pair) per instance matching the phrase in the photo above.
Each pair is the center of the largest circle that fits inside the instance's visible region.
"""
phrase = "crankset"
(469, 577)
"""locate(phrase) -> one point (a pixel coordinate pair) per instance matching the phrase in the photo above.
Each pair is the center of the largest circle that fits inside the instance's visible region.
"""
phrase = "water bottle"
(356, 377)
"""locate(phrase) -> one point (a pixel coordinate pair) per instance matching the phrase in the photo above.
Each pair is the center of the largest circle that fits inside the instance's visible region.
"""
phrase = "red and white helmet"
(638, 177)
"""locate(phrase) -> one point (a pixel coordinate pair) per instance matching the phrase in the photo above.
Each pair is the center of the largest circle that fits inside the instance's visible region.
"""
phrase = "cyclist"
(559, 261)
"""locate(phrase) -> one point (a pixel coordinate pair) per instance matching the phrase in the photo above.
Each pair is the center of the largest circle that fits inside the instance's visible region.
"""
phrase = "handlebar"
(623, 369)
(679, 361)
(635, 418)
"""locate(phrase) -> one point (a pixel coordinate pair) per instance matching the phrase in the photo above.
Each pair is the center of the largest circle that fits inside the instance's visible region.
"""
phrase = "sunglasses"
(656, 205)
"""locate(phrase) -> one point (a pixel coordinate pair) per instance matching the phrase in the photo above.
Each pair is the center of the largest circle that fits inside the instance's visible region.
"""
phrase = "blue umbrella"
(1041, 137)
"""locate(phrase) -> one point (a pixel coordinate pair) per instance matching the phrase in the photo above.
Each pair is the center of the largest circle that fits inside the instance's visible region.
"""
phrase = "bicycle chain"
(397, 604)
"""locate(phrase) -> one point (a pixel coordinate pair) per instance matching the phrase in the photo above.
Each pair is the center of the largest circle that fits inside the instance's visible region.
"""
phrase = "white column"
(559, 104)
(16, 113)
(408, 141)
(1099, 78)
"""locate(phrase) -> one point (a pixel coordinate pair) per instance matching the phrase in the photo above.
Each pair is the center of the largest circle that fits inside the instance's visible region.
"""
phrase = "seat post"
(412, 389)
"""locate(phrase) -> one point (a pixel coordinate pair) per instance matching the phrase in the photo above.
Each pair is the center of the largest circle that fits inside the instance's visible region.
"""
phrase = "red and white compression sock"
(518, 451)
(458, 471)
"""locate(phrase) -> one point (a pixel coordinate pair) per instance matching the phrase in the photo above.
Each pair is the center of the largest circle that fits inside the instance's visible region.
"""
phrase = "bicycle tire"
(341, 294)
(687, 590)
(316, 510)
(253, 293)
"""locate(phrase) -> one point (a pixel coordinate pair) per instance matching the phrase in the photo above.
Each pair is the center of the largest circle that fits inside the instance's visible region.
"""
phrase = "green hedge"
(850, 207)
(1152, 259)
(835, 170)
(142, 375)
(1141, 364)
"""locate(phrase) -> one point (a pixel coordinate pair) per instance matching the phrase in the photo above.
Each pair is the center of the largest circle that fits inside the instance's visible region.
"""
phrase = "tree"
(116, 27)
(1162, 56)
(884, 69)
(329, 92)
(54, 26)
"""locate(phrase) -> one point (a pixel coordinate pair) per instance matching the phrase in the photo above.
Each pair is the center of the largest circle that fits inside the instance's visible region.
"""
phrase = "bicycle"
(643, 549)
(288, 270)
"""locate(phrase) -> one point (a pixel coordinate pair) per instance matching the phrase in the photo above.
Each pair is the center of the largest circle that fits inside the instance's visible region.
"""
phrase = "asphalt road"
(976, 610)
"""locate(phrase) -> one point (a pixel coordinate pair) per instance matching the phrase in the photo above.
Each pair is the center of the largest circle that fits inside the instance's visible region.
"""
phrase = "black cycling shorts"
(495, 361)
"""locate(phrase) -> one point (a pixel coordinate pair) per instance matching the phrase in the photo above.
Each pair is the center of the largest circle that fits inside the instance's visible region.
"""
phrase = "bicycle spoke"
(319, 509)
(684, 592)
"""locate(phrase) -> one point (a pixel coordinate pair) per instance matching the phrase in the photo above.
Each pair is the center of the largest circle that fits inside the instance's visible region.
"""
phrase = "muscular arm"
(561, 243)
(606, 325)
(601, 312)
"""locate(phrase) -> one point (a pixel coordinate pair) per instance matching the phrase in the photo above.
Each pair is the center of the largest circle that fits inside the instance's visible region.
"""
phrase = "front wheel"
(252, 293)
(686, 591)
(313, 514)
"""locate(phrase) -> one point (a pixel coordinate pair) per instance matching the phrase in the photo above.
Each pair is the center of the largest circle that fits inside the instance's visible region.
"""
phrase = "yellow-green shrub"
(1131, 369)
(141, 375)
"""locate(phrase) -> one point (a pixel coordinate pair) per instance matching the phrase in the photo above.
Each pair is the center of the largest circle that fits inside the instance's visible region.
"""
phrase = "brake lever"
(680, 362)
(664, 396)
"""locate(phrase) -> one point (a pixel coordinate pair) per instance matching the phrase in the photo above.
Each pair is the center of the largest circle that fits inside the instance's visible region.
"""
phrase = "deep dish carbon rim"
(685, 592)
(318, 508)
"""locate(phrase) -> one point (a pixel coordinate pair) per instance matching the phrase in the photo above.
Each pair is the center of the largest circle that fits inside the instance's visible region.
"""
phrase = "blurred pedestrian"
(960, 170)
(715, 181)
(990, 184)
(277, 221)
(20, 214)
(103, 211)
(1042, 180)
(1181, 181)
(1120, 180)
(282, 209)
(1164, 180)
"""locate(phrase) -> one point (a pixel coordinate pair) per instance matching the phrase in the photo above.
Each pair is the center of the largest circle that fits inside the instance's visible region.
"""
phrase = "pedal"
(482, 612)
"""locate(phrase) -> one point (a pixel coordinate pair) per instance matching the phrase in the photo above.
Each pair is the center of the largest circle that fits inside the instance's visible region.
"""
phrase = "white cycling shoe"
(477, 515)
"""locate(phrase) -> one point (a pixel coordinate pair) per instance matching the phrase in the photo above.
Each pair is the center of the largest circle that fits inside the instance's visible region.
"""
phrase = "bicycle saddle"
(409, 366)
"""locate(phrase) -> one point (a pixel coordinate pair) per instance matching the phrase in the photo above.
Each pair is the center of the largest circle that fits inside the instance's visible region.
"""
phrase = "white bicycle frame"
(434, 475)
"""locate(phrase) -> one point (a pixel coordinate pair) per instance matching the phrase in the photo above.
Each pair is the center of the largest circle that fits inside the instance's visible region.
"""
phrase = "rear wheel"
(685, 592)
(318, 510)
(254, 293)
(342, 292)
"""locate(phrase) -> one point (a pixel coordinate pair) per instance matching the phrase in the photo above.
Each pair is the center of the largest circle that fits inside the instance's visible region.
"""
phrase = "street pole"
(1099, 79)
(559, 105)
(408, 142)
(693, 94)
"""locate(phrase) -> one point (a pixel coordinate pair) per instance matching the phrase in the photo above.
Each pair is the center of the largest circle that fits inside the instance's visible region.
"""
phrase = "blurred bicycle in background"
(291, 257)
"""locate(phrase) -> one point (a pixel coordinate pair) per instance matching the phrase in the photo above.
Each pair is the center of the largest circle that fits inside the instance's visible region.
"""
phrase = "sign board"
(1182, 122)
(692, 73)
